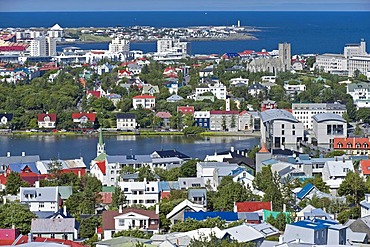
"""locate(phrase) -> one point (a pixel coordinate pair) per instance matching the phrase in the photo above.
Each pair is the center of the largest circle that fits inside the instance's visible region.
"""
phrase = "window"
(41, 205)
(293, 132)
(283, 126)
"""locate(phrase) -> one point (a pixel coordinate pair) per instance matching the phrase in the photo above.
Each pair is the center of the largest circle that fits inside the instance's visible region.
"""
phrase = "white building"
(119, 44)
(239, 81)
(56, 32)
(327, 126)
(144, 193)
(334, 172)
(217, 89)
(304, 112)
(40, 199)
(330, 63)
(354, 50)
(360, 63)
(126, 121)
(42, 46)
(279, 128)
(365, 206)
(360, 93)
(171, 49)
(146, 101)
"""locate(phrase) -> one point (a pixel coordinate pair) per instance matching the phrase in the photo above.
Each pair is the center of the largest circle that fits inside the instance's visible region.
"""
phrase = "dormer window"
(340, 145)
(349, 145)
(366, 145)
(358, 145)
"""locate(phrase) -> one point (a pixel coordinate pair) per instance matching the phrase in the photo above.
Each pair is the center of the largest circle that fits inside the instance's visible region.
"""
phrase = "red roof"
(77, 171)
(9, 234)
(186, 109)
(352, 143)
(24, 239)
(165, 194)
(252, 206)
(52, 116)
(246, 52)
(223, 112)
(90, 116)
(365, 167)
(162, 114)
(106, 197)
(83, 82)
(97, 94)
(3, 179)
(99, 230)
(102, 167)
(144, 97)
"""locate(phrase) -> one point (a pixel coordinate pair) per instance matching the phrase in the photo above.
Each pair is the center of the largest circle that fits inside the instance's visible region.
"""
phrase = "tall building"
(56, 32)
(352, 50)
(42, 47)
(171, 49)
(119, 44)
(285, 56)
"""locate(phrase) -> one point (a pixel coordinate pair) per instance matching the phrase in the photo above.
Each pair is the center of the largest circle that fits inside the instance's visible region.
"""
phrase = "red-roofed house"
(252, 206)
(98, 169)
(47, 121)
(165, 118)
(129, 218)
(268, 105)
(146, 101)
(94, 93)
(106, 198)
(24, 239)
(186, 109)
(365, 167)
(3, 181)
(122, 73)
(353, 145)
(224, 120)
(84, 118)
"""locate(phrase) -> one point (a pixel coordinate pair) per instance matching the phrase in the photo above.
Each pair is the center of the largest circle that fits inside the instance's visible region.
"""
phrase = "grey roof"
(125, 116)
(65, 192)
(188, 182)
(123, 240)
(266, 229)
(42, 194)
(197, 193)
(62, 225)
(244, 233)
(174, 97)
(248, 216)
(328, 117)
(277, 114)
(129, 159)
(130, 176)
(19, 159)
(318, 106)
(359, 85)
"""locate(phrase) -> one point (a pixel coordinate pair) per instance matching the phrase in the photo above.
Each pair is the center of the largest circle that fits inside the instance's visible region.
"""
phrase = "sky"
(182, 5)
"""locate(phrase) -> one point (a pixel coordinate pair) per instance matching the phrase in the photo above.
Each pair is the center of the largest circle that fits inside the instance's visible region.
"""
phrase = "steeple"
(101, 145)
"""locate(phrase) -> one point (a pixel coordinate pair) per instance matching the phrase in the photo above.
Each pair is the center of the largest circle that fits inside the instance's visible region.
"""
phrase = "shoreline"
(142, 133)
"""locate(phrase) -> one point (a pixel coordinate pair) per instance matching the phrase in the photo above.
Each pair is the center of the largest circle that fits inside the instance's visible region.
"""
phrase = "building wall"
(217, 120)
(145, 193)
(324, 137)
(126, 124)
(43, 206)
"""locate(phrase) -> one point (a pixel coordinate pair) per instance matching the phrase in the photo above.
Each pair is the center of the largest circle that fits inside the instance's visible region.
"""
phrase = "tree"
(14, 182)
(353, 187)
(334, 153)
(88, 226)
(318, 183)
(189, 168)
(16, 215)
(147, 173)
(212, 241)
(118, 198)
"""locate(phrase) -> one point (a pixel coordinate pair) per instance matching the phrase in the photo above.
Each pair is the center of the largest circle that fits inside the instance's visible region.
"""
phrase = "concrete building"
(145, 193)
(42, 47)
(334, 172)
(119, 44)
(327, 126)
(285, 56)
(171, 49)
(331, 63)
(279, 128)
(126, 121)
(224, 120)
(145, 101)
(304, 112)
(218, 90)
(360, 63)
(202, 119)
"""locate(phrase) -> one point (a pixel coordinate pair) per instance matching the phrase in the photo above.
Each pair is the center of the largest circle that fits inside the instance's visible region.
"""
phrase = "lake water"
(67, 147)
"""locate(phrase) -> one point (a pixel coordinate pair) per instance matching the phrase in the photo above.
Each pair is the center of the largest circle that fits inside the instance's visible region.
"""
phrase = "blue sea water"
(308, 32)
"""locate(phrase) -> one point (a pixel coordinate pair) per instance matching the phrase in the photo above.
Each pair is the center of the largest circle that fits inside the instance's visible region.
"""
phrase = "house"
(365, 206)
(198, 196)
(172, 153)
(124, 241)
(202, 119)
(164, 117)
(304, 112)
(251, 206)
(5, 118)
(218, 90)
(105, 68)
(279, 128)
(208, 71)
(174, 98)
(256, 89)
(268, 105)
(192, 182)
(360, 226)
(186, 109)
(177, 213)
(353, 145)
(61, 228)
(115, 98)
(134, 68)
(145, 192)
(27, 171)
(365, 167)
(145, 101)
(129, 218)
(47, 121)
(149, 89)
(359, 92)
(317, 232)
(41, 199)
(244, 234)
(126, 121)
(213, 172)
(8, 236)
(239, 82)
(84, 119)
(122, 73)
(327, 126)
(292, 90)
(334, 172)
(224, 120)
(5, 161)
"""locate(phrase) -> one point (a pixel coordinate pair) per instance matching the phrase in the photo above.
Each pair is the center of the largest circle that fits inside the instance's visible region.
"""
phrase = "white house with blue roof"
(280, 129)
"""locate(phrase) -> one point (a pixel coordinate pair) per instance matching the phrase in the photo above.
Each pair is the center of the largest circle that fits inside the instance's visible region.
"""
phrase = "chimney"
(65, 210)
(232, 149)
(8, 154)
(37, 184)
(30, 237)
(23, 154)
(120, 209)
(157, 209)
(284, 207)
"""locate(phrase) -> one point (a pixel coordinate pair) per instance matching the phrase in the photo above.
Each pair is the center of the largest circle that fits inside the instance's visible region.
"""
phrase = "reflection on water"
(68, 147)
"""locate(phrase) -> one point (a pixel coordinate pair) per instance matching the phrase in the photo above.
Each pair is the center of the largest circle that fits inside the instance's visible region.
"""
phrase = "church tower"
(285, 56)
(101, 145)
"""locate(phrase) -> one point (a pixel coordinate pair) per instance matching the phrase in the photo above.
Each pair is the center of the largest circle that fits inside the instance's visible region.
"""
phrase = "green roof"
(108, 189)
(268, 213)
(125, 242)
(101, 157)
(65, 191)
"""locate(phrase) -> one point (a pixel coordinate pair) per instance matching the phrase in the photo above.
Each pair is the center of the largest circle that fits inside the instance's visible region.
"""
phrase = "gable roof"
(365, 167)
(19, 159)
(8, 116)
(40, 194)
(52, 116)
(125, 116)
(252, 206)
(144, 97)
(102, 166)
(305, 190)
(244, 233)
(90, 116)
(19, 167)
(341, 143)
(172, 153)
(185, 204)
(60, 225)
(108, 216)
(228, 216)
(162, 114)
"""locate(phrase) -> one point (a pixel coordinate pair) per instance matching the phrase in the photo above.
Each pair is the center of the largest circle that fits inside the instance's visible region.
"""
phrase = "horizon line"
(205, 11)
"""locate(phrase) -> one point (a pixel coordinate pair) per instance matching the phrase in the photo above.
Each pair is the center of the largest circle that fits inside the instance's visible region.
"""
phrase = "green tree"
(189, 168)
(16, 215)
(353, 187)
(147, 173)
(334, 153)
(118, 198)
(318, 183)
(88, 226)
(14, 182)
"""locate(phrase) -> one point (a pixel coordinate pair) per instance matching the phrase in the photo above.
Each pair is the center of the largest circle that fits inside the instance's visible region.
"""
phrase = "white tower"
(101, 145)
(227, 104)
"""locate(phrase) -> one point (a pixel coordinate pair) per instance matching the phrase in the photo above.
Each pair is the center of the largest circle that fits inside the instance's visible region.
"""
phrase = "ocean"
(308, 32)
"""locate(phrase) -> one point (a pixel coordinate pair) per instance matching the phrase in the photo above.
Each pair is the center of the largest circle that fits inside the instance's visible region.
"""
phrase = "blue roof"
(228, 216)
(19, 167)
(315, 224)
(305, 190)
